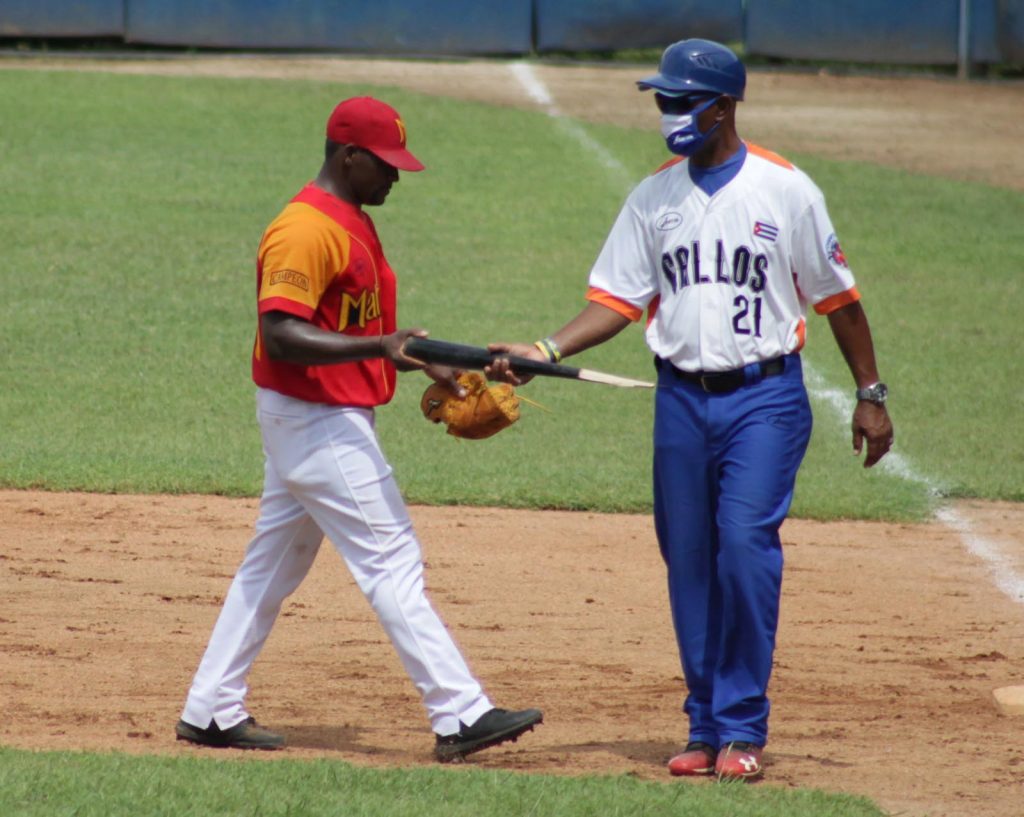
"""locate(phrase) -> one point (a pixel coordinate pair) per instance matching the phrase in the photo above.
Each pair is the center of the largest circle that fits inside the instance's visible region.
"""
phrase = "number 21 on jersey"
(745, 270)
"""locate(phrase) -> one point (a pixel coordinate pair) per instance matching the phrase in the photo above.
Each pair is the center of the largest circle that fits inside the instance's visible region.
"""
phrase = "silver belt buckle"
(704, 384)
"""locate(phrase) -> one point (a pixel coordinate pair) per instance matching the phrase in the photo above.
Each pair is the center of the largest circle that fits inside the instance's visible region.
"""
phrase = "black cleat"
(245, 735)
(493, 727)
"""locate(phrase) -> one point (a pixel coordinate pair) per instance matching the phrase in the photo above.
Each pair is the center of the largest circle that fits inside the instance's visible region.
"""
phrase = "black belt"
(720, 382)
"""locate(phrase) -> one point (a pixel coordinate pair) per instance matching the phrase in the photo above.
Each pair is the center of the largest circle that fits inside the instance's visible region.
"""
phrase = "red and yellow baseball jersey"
(321, 261)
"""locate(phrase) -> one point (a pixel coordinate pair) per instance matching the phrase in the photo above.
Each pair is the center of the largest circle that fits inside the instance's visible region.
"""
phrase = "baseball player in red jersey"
(724, 247)
(326, 354)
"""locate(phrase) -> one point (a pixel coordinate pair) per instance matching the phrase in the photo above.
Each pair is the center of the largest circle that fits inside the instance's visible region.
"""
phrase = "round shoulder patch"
(835, 252)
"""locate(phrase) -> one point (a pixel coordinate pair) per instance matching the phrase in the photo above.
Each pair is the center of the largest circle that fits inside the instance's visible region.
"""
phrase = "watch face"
(875, 394)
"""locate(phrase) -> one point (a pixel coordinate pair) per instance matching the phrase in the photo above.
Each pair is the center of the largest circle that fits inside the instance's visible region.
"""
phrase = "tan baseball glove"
(483, 412)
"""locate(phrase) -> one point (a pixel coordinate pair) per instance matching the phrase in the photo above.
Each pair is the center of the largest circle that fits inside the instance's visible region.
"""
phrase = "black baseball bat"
(463, 356)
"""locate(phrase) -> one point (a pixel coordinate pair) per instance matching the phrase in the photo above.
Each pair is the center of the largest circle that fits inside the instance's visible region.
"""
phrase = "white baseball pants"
(325, 474)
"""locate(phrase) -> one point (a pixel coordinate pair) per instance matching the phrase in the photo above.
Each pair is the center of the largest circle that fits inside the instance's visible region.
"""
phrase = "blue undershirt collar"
(713, 179)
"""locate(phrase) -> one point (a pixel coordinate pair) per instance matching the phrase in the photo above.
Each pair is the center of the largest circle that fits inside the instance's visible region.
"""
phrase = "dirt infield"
(892, 636)
(891, 641)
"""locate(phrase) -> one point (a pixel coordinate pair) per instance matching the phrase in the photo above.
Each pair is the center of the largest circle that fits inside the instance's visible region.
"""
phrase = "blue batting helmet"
(698, 65)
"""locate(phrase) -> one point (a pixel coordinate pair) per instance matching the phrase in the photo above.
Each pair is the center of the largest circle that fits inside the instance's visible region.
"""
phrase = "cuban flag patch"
(762, 229)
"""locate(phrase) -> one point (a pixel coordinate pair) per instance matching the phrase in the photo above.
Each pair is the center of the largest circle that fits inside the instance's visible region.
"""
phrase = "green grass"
(940, 275)
(133, 208)
(134, 205)
(55, 784)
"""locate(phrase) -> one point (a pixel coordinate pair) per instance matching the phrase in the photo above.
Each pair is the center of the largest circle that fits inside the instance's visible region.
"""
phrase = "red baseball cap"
(371, 124)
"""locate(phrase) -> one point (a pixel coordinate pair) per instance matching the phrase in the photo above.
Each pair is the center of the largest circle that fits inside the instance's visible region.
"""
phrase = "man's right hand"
(393, 347)
(595, 324)
(502, 370)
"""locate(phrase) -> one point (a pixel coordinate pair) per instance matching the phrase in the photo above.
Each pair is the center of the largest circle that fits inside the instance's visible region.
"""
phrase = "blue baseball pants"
(724, 470)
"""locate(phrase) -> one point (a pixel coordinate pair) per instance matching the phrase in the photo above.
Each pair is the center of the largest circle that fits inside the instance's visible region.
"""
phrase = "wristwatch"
(875, 393)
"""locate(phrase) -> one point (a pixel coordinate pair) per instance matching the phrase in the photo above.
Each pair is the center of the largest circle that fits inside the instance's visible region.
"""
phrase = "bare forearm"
(292, 340)
(871, 421)
(593, 326)
(853, 335)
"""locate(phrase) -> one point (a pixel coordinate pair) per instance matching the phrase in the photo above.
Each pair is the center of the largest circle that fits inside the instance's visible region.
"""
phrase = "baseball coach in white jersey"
(723, 248)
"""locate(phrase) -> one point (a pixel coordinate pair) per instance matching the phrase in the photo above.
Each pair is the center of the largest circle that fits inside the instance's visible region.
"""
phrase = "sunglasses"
(682, 104)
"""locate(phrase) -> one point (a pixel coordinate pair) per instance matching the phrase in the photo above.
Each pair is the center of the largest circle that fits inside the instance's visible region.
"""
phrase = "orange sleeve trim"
(673, 161)
(834, 302)
(285, 305)
(624, 308)
(774, 158)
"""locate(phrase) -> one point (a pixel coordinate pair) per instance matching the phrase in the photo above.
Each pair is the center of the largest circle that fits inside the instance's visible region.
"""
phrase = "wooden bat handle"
(463, 356)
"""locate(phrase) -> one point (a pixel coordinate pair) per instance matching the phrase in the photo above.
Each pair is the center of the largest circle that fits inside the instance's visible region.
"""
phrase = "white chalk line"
(538, 92)
(999, 564)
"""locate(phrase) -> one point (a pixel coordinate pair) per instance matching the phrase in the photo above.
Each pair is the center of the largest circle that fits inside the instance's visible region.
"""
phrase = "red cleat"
(739, 761)
(696, 759)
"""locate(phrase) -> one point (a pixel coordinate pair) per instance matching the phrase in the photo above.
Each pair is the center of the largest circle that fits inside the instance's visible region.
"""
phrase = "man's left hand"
(871, 422)
(446, 376)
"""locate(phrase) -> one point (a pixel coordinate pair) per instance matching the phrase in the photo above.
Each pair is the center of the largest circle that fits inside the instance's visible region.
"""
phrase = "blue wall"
(390, 26)
(62, 18)
(1010, 35)
(907, 32)
(581, 25)
(884, 31)
(868, 30)
(982, 46)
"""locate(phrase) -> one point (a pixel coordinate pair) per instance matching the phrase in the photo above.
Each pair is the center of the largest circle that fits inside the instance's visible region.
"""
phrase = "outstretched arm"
(870, 422)
(293, 340)
(592, 326)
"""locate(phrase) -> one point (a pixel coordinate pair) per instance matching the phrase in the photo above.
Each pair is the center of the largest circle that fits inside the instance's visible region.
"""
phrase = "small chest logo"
(669, 221)
(835, 252)
(762, 229)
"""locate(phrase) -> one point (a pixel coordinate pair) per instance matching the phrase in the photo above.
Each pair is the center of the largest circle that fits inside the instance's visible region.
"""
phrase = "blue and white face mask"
(681, 132)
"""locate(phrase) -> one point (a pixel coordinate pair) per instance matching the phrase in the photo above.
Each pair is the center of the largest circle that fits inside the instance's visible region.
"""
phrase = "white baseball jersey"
(726, 279)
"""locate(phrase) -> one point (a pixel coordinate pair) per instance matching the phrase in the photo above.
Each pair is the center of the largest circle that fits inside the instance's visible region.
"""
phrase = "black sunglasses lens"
(680, 104)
